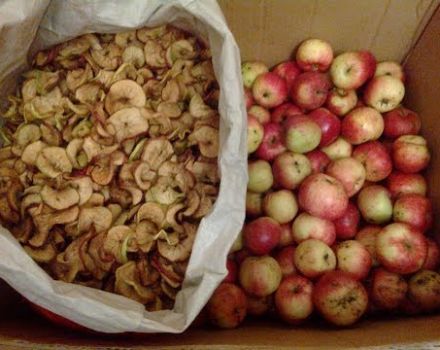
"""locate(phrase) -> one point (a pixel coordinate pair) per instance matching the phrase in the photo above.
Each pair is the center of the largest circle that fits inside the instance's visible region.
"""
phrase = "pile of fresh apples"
(338, 221)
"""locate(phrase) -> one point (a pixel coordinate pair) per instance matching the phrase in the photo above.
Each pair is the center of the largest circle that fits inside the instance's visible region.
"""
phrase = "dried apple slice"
(163, 193)
(156, 151)
(180, 251)
(42, 255)
(207, 139)
(152, 212)
(27, 134)
(134, 55)
(166, 271)
(124, 94)
(154, 54)
(128, 284)
(100, 218)
(198, 108)
(31, 152)
(93, 149)
(6, 212)
(50, 134)
(169, 109)
(144, 176)
(84, 187)
(128, 123)
(88, 93)
(53, 161)
(115, 238)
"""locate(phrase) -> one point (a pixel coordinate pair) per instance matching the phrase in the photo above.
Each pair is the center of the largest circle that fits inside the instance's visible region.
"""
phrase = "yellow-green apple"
(260, 275)
(354, 258)
(284, 111)
(290, 169)
(259, 306)
(340, 101)
(374, 203)
(232, 268)
(328, 122)
(323, 196)
(255, 134)
(367, 236)
(306, 226)
(350, 172)
(260, 176)
(310, 89)
(390, 68)
(259, 113)
(286, 259)
(318, 161)
(288, 70)
(347, 225)
(227, 306)
(293, 299)
(314, 55)
(248, 98)
(313, 258)
(362, 124)
(413, 209)
(286, 237)
(238, 243)
(387, 289)
(410, 153)
(401, 121)
(376, 160)
(261, 235)
(272, 143)
(280, 205)
(340, 148)
(269, 90)
(350, 70)
(400, 183)
(424, 290)
(384, 93)
(340, 298)
(401, 248)
(301, 134)
(254, 204)
(250, 71)
(432, 261)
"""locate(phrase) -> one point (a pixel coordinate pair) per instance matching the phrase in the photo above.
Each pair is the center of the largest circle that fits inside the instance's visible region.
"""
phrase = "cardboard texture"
(267, 30)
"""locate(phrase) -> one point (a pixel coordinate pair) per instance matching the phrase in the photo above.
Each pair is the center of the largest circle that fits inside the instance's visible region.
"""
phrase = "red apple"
(290, 169)
(286, 237)
(340, 101)
(388, 289)
(340, 148)
(368, 236)
(401, 121)
(306, 226)
(254, 204)
(350, 70)
(350, 172)
(259, 113)
(250, 71)
(376, 160)
(432, 261)
(314, 55)
(424, 290)
(323, 196)
(400, 183)
(329, 123)
(248, 98)
(232, 268)
(293, 299)
(362, 124)
(374, 203)
(260, 176)
(260, 275)
(354, 258)
(384, 93)
(272, 143)
(255, 133)
(310, 89)
(285, 258)
(340, 298)
(313, 258)
(287, 70)
(401, 248)
(390, 68)
(318, 161)
(301, 134)
(281, 206)
(415, 210)
(259, 306)
(410, 153)
(347, 225)
(261, 235)
(284, 111)
(269, 90)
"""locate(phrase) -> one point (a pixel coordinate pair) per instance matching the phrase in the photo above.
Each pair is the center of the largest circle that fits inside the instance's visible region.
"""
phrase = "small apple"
(313, 258)
(424, 290)
(290, 169)
(280, 205)
(310, 89)
(340, 101)
(248, 98)
(301, 134)
(368, 236)
(260, 275)
(260, 176)
(362, 124)
(254, 204)
(374, 203)
(400, 183)
(306, 226)
(350, 172)
(286, 237)
(376, 160)
(340, 298)
(286, 259)
(432, 261)
(293, 299)
(347, 225)
(390, 68)
(415, 210)
(255, 134)
(354, 258)
(284, 111)
(272, 143)
(401, 121)
(232, 268)
(250, 71)
(384, 93)
(401, 248)
(259, 113)
(388, 289)
(410, 153)
(261, 235)
(314, 55)
(340, 148)
(259, 306)
(328, 122)
(269, 90)
(287, 70)
(318, 161)
(350, 70)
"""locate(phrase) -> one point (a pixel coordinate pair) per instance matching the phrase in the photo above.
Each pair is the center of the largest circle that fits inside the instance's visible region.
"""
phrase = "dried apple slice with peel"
(42, 255)
(100, 218)
(207, 139)
(156, 151)
(27, 134)
(31, 152)
(128, 123)
(53, 161)
(59, 199)
(124, 94)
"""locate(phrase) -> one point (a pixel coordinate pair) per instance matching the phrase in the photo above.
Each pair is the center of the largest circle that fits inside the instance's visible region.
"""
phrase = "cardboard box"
(404, 30)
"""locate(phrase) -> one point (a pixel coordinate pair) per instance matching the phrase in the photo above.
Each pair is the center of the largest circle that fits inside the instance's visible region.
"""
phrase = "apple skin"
(286, 259)
(328, 122)
(350, 172)
(401, 248)
(376, 160)
(269, 90)
(424, 290)
(390, 68)
(284, 111)
(340, 101)
(313, 258)
(318, 161)
(350, 70)
(339, 298)
(401, 121)
(272, 142)
(260, 176)
(410, 153)
(323, 196)
(362, 124)
(261, 235)
(293, 299)
(259, 113)
(248, 98)
(254, 204)
(432, 261)
(259, 306)
(368, 236)
(290, 169)
(374, 203)
(250, 71)
(387, 289)
(286, 237)
(288, 70)
(354, 258)
(314, 55)
(281, 206)
(227, 306)
(260, 275)
(255, 134)
(400, 183)
(238, 243)
(306, 226)
(415, 210)
(347, 225)
(232, 268)
(301, 134)
(309, 90)
(340, 148)
(384, 93)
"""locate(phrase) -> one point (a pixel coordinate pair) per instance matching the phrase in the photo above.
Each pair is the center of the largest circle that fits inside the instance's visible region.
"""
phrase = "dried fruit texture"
(109, 160)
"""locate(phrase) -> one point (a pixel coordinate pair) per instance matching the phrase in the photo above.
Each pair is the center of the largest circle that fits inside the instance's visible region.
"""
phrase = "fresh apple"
(248, 98)
(410, 153)
(340, 148)
(384, 93)
(323, 196)
(272, 143)
(290, 169)
(227, 306)
(310, 89)
(424, 290)
(374, 203)
(280, 205)
(241, 255)
(388, 289)
(250, 71)
(347, 225)
(269, 90)
(340, 298)
(368, 236)
(340, 101)
(401, 121)
(232, 268)
(254, 204)
(390, 68)
(261, 235)
(260, 176)
(286, 259)
(318, 161)
(255, 134)
(286, 237)
(306, 226)
(401, 248)
(362, 124)
(415, 210)
(354, 258)
(284, 111)
(400, 183)
(376, 160)
(432, 261)
(328, 122)
(259, 113)
(313, 258)
(350, 172)
(314, 55)
(301, 134)
(293, 299)
(287, 70)
(260, 275)
(350, 70)
(259, 306)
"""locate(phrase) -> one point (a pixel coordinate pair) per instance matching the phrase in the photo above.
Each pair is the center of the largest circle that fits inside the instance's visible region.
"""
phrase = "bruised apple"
(260, 275)
(424, 290)
(388, 289)
(261, 235)
(313, 258)
(354, 258)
